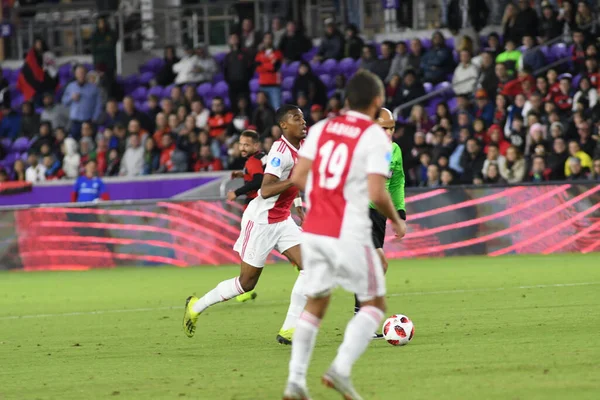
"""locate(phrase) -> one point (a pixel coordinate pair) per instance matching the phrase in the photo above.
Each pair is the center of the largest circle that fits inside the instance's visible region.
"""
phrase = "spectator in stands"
(332, 44)
(414, 58)
(595, 175)
(468, 17)
(471, 161)
(10, 126)
(585, 19)
(189, 95)
(278, 31)
(310, 85)
(263, 116)
(532, 57)
(539, 172)
(130, 112)
(111, 114)
(104, 50)
(83, 99)
(186, 68)
(166, 155)
(151, 157)
(268, 62)
(576, 152)
(399, 62)
(237, 69)
(437, 63)
(165, 75)
(524, 83)
(30, 121)
(411, 89)
(294, 43)
(526, 21)
(206, 161)
(446, 177)
(433, 177)
(492, 175)
(492, 156)
(5, 97)
(53, 169)
(241, 118)
(513, 171)
(537, 135)
(18, 171)
(36, 172)
(368, 58)
(316, 114)
(502, 76)
(113, 164)
(201, 113)
(53, 113)
(206, 66)
(586, 97)
(249, 37)
(577, 172)
(484, 109)
(162, 128)
(562, 97)
(391, 89)
(132, 163)
(353, 44)
(510, 57)
(509, 30)
(465, 75)
(339, 88)
(586, 142)
(71, 159)
(550, 26)
(34, 79)
(381, 67)
(487, 79)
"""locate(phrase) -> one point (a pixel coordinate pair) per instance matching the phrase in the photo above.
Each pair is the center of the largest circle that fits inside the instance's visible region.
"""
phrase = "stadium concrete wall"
(442, 222)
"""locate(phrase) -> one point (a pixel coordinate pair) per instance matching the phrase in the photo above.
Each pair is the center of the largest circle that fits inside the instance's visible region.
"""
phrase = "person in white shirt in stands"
(194, 67)
(132, 163)
(465, 75)
(36, 171)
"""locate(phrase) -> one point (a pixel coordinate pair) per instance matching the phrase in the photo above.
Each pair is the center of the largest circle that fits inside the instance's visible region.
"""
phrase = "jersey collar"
(357, 114)
(291, 146)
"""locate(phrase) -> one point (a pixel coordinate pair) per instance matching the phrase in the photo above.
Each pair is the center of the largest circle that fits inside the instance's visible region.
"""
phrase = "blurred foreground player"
(344, 163)
(266, 225)
(395, 187)
(253, 173)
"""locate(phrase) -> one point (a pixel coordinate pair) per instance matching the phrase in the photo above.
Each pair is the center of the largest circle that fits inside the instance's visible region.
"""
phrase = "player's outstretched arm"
(272, 186)
(382, 200)
(300, 173)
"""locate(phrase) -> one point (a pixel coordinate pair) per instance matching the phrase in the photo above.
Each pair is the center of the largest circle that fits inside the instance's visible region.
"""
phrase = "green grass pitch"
(517, 327)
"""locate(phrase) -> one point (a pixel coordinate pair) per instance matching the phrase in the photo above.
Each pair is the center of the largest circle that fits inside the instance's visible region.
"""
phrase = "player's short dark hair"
(251, 134)
(362, 89)
(283, 111)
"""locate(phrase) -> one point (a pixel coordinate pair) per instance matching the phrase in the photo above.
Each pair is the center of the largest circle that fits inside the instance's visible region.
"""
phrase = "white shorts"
(256, 241)
(330, 262)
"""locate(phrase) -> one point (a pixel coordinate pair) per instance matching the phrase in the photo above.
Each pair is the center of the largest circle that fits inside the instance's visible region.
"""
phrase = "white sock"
(303, 344)
(297, 303)
(359, 333)
(224, 291)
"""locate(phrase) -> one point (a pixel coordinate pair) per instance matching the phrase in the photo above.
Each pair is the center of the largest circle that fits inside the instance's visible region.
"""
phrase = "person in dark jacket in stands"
(550, 27)
(557, 159)
(104, 48)
(411, 89)
(438, 62)
(237, 70)
(471, 161)
(526, 22)
(332, 44)
(354, 43)
(468, 23)
(381, 67)
(487, 79)
(166, 76)
(310, 85)
(532, 57)
(294, 43)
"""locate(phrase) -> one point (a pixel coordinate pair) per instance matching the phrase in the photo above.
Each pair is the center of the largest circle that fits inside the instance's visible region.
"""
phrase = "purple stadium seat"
(65, 70)
(11, 158)
(288, 83)
(88, 66)
(24, 156)
(221, 89)
(329, 67)
(254, 86)
(331, 93)
(16, 101)
(290, 69)
(20, 145)
(167, 91)
(346, 66)
(426, 43)
(253, 97)
(452, 104)
(316, 67)
(120, 106)
(428, 87)
(145, 78)
(576, 80)
(218, 77)
(560, 50)
(156, 91)
(142, 106)
(456, 56)
(327, 80)
(357, 64)
(450, 42)
(309, 55)
(219, 57)
(443, 85)
(205, 90)
(286, 96)
(6, 143)
(140, 93)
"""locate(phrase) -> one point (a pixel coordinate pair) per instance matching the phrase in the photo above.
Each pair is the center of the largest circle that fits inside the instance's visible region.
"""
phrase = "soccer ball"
(398, 330)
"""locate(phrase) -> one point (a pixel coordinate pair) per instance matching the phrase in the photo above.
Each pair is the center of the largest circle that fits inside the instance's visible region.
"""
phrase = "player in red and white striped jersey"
(266, 225)
(344, 163)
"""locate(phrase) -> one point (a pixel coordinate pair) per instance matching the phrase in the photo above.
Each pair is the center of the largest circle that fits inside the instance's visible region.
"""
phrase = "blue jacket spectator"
(332, 44)
(532, 58)
(438, 62)
(10, 126)
(84, 101)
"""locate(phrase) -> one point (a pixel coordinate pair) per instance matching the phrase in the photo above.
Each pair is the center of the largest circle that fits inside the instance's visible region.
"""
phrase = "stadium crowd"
(503, 121)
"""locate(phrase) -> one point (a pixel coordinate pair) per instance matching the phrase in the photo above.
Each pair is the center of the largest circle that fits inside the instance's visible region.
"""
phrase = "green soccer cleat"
(244, 297)
(190, 316)
(285, 337)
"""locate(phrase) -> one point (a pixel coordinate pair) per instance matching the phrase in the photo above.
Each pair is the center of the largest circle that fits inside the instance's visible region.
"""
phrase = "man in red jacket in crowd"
(206, 161)
(524, 84)
(253, 169)
(562, 97)
(268, 62)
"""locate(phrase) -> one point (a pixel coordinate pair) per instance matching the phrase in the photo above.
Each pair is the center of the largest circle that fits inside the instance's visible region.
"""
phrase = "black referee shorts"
(378, 231)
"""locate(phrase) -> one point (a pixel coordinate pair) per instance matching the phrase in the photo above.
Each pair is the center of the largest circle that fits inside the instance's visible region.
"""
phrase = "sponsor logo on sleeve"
(276, 162)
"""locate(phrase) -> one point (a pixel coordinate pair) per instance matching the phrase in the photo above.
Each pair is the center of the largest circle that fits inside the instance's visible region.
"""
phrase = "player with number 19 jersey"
(337, 244)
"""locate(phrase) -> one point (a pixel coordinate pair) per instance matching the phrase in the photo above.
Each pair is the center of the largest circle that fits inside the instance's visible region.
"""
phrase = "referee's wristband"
(402, 214)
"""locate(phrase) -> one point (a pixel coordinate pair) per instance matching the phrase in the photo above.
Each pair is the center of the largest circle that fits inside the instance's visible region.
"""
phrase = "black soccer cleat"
(282, 340)
(378, 336)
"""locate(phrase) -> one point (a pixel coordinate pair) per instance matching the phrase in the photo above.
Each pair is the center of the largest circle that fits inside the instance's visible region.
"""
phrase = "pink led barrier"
(441, 222)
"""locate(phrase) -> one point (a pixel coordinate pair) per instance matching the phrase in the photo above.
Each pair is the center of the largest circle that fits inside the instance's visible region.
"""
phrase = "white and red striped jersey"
(344, 151)
(280, 162)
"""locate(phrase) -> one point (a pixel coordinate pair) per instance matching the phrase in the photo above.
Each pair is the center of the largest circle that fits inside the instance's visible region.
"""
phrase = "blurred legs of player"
(356, 268)
(297, 298)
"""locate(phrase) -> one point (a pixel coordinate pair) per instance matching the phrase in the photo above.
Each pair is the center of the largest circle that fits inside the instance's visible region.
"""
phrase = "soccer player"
(395, 187)
(253, 176)
(89, 187)
(266, 225)
(344, 163)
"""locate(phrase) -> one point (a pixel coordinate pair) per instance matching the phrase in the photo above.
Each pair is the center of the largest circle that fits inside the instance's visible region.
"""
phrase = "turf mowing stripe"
(457, 291)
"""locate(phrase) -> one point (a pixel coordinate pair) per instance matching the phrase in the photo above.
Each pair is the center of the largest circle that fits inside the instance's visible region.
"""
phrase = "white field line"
(438, 292)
